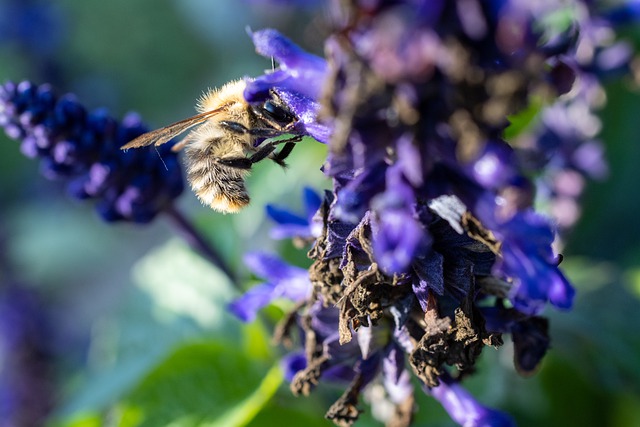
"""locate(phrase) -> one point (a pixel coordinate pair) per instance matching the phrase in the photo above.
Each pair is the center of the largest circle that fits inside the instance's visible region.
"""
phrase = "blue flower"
(283, 281)
(527, 258)
(290, 225)
(397, 233)
(84, 148)
(297, 81)
(627, 12)
(464, 409)
(376, 354)
(431, 215)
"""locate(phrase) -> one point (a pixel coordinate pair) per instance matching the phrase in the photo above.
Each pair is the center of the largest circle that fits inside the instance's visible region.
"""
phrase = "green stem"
(198, 243)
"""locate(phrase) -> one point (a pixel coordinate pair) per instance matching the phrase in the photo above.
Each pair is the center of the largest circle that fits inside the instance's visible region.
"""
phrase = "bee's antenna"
(161, 159)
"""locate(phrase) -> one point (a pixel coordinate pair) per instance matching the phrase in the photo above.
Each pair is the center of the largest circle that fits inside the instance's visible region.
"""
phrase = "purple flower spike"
(464, 409)
(446, 122)
(27, 387)
(283, 281)
(84, 147)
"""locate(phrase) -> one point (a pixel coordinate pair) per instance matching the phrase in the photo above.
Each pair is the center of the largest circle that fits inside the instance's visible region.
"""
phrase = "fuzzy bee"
(231, 136)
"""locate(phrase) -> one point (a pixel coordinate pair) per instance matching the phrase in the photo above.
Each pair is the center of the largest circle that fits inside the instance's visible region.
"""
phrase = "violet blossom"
(293, 226)
(84, 148)
(431, 248)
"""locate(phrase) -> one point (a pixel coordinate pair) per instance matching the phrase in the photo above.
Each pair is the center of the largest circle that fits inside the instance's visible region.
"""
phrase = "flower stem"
(198, 243)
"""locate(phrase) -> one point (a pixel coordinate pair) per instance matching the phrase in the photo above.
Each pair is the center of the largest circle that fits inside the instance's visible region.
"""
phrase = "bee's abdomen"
(218, 186)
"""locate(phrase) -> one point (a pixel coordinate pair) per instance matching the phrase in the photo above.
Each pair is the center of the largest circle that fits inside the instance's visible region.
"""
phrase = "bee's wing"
(164, 134)
(191, 136)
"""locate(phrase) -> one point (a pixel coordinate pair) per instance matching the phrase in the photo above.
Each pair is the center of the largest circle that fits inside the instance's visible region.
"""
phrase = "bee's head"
(277, 111)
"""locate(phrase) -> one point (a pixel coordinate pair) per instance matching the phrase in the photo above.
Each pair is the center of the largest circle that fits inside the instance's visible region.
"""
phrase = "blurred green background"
(138, 322)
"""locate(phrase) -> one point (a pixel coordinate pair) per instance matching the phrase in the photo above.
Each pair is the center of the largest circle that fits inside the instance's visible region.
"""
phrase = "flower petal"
(246, 307)
(292, 363)
(270, 267)
(464, 409)
(299, 72)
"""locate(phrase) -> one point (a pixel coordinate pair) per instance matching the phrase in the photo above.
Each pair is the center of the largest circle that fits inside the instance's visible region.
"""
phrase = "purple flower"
(625, 13)
(297, 81)
(84, 148)
(374, 358)
(530, 335)
(290, 225)
(283, 281)
(430, 247)
(527, 258)
(495, 167)
(396, 231)
(464, 409)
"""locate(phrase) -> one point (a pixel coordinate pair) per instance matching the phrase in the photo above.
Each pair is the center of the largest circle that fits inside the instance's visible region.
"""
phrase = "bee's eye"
(276, 112)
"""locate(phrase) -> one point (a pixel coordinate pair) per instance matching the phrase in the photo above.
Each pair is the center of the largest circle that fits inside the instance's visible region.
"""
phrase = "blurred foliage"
(141, 330)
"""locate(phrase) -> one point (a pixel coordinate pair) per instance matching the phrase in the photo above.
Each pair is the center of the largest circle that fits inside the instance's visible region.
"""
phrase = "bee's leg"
(268, 149)
(240, 129)
(281, 155)
(265, 132)
(247, 162)
(262, 153)
(236, 162)
(234, 127)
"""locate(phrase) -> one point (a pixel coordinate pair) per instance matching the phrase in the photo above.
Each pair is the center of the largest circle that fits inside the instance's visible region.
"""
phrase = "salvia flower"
(297, 81)
(431, 248)
(284, 281)
(84, 148)
(464, 409)
(293, 226)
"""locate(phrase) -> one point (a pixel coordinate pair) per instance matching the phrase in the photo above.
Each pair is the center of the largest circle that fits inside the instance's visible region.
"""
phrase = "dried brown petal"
(326, 278)
(454, 342)
(403, 415)
(306, 380)
(477, 231)
(282, 330)
(344, 411)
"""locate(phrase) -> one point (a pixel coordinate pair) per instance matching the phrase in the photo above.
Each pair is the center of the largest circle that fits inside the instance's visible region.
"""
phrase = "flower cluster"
(561, 148)
(430, 247)
(85, 146)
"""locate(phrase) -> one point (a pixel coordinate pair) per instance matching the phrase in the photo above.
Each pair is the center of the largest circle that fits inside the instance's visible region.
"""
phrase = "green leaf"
(204, 384)
(241, 414)
(178, 297)
(183, 285)
(520, 121)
